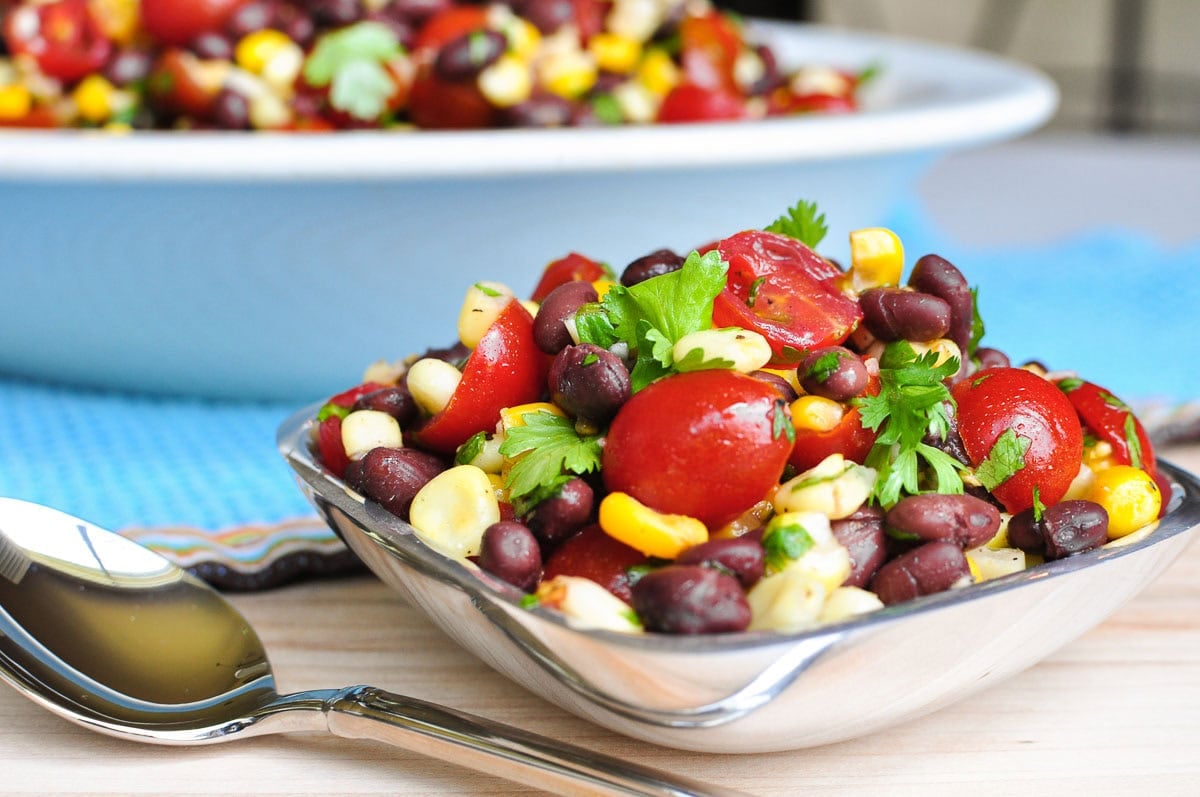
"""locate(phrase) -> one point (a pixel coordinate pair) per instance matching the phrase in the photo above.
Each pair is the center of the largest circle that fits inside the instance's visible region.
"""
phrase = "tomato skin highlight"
(1105, 415)
(178, 22)
(703, 444)
(999, 399)
(506, 369)
(569, 268)
(796, 302)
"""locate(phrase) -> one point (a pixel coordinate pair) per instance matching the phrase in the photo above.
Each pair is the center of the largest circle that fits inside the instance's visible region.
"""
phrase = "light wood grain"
(1116, 712)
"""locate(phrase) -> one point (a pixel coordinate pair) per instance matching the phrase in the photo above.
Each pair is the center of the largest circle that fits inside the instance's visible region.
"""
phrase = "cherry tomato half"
(708, 444)
(1107, 416)
(594, 555)
(504, 370)
(448, 105)
(449, 24)
(709, 48)
(62, 36)
(330, 446)
(689, 102)
(783, 290)
(999, 399)
(849, 438)
(179, 22)
(573, 267)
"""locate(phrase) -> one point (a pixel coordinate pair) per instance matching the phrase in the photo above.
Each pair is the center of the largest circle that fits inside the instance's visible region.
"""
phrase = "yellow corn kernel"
(876, 258)
(507, 82)
(363, 430)
(847, 602)
(787, 601)
(637, 104)
(653, 533)
(1130, 497)
(451, 512)
(256, 49)
(816, 413)
(615, 53)
(94, 98)
(432, 382)
(827, 561)
(741, 350)
(511, 417)
(498, 487)
(118, 19)
(658, 72)
(602, 287)
(987, 563)
(15, 101)
(569, 74)
(480, 308)
(944, 348)
(1099, 455)
(834, 487)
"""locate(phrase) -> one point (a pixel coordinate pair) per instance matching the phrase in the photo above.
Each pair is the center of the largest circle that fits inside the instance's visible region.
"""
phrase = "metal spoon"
(117, 639)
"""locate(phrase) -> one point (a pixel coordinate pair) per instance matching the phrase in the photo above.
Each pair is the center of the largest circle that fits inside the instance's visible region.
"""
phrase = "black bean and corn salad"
(745, 437)
(320, 65)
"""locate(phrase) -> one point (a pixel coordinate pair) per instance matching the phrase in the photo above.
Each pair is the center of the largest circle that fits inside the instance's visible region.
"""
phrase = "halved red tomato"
(447, 105)
(999, 399)
(62, 36)
(178, 22)
(449, 24)
(709, 48)
(330, 446)
(573, 267)
(504, 370)
(689, 102)
(786, 292)
(594, 555)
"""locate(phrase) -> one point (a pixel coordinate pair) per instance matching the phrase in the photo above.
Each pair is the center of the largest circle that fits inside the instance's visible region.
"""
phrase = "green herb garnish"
(802, 222)
(781, 422)
(1069, 383)
(549, 448)
(1004, 460)
(486, 290)
(469, 450)
(330, 409)
(977, 328)
(1039, 509)
(784, 544)
(752, 294)
(351, 62)
(825, 366)
(1132, 441)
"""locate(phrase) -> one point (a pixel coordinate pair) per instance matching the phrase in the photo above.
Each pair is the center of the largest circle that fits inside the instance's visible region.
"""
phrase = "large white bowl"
(276, 266)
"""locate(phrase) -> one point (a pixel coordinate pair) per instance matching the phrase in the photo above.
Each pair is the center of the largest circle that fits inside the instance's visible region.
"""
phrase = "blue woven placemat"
(201, 481)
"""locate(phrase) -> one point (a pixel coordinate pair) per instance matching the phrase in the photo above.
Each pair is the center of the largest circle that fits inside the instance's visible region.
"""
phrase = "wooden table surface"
(1116, 712)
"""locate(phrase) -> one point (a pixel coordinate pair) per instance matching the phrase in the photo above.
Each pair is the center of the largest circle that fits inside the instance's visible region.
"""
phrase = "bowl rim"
(399, 539)
(982, 97)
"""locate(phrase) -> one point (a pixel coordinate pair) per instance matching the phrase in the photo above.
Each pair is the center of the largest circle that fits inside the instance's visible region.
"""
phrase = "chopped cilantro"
(695, 360)
(1070, 383)
(781, 422)
(551, 448)
(530, 601)
(486, 291)
(802, 222)
(977, 328)
(470, 449)
(590, 359)
(1004, 460)
(912, 402)
(825, 366)
(785, 543)
(871, 72)
(752, 294)
(607, 109)
(351, 62)
(1113, 401)
(331, 409)
(1132, 441)
(811, 480)
(1039, 508)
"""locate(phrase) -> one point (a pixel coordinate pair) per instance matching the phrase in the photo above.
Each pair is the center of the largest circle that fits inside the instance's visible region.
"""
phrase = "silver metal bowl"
(756, 691)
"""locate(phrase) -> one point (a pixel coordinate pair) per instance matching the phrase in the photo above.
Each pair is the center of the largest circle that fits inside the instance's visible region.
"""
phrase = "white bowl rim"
(981, 98)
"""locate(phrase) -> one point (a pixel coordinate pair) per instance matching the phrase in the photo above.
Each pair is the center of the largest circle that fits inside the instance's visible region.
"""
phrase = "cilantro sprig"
(803, 222)
(548, 452)
(912, 402)
(1006, 457)
(651, 316)
(351, 62)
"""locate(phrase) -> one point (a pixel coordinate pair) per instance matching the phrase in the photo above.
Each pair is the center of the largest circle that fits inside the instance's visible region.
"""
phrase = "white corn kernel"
(451, 512)
(987, 563)
(847, 602)
(283, 67)
(635, 19)
(820, 80)
(835, 488)
(748, 69)
(432, 383)
(268, 111)
(586, 604)
(741, 350)
(480, 308)
(507, 82)
(383, 372)
(363, 430)
(827, 561)
(638, 104)
(489, 459)
(787, 601)
(1081, 485)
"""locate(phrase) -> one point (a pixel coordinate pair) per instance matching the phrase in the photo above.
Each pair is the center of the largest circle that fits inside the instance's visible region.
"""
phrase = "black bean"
(863, 537)
(456, 355)
(963, 519)
(463, 58)
(564, 513)
(335, 13)
(1065, 529)
(939, 277)
(991, 358)
(395, 401)
(540, 110)
(690, 599)
(897, 314)
(295, 24)
(212, 45)
(560, 305)
(933, 567)
(741, 556)
(781, 385)
(655, 264)
(771, 78)
(250, 17)
(833, 372)
(231, 111)
(393, 476)
(509, 551)
(417, 10)
(128, 66)
(589, 382)
(546, 15)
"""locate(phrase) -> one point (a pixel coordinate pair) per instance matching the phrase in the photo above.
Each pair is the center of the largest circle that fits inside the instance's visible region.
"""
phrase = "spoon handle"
(364, 712)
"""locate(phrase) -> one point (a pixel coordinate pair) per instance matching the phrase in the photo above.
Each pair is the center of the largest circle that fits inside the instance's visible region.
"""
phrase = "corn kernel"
(93, 97)
(256, 49)
(1130, 497)
(635, 19)
(653, 533)
(876, 258)
(586, 604)
(15, 102)
(658, 72)
(383, 372)
(523, 38)
(820, 80)
(787, 601)
(847, 602)
(613, 53)
(987, 563)
(835, 488)
(511, 417)
(637, 104)
(451, 512)
(827, 561)
(363, 430)
(118, 19)
(432, 383)
(816, 413)
(1099, 455)
(602, 287)
(498, 486)
(741, 350)
(1081, 485)
(507, 82)
(944, 348)
(480, 308)
(568, 74)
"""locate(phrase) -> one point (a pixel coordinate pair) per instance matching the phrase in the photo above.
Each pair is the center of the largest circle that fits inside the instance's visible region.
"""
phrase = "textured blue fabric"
(1112, 305)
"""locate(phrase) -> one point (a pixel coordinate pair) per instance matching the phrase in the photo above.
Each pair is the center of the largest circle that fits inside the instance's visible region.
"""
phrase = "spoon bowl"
(117, 639)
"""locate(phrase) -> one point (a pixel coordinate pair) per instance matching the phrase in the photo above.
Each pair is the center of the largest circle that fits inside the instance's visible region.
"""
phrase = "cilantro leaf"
(825, 366)
(1070, 383)
(1004, 460)
(977, 328)
(755, 287)
(871, 72)
(802, 222)
(781, 422)
(551, 448)
(1132, 441)
(350, 61)
(785, 543)
(470, 449)
(329, 409)
(1039, 508)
